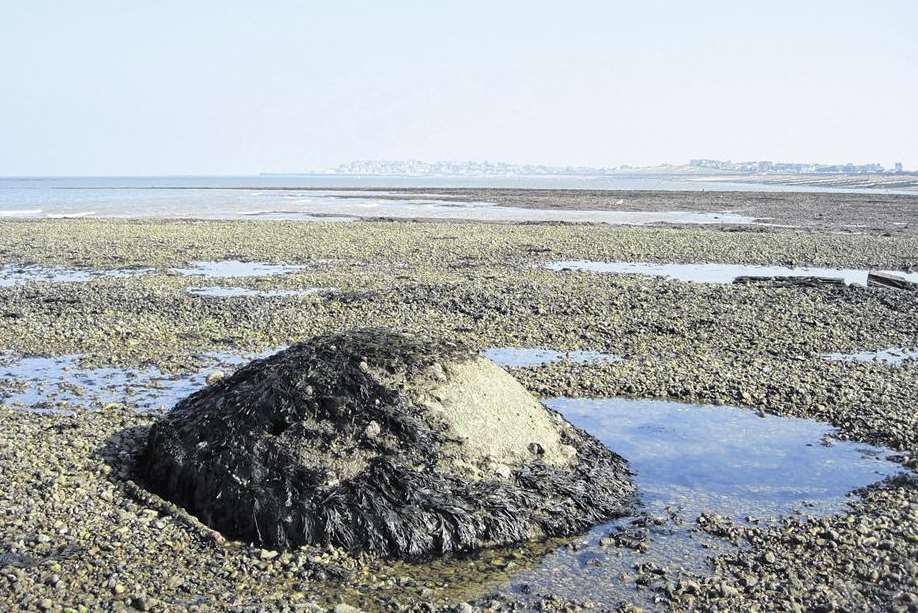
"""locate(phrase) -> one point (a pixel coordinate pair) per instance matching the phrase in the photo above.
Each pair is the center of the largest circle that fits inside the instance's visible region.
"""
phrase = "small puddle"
(236, 268)
(528, 357)
(893, 357)
(11, 275)
(719, 273)
(689, 460)
(293, 215)
(233, 292)
(41, 384)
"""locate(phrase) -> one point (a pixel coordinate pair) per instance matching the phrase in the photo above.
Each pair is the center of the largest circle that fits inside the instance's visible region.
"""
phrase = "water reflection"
(689, 460)
(528, 357)
(893, 357)
(56, 383)
(719, 273)
(236, 268)
(234, 292)
(13, 274)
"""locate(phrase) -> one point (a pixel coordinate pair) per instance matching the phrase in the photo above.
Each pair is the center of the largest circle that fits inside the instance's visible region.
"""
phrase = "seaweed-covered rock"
(381, 443)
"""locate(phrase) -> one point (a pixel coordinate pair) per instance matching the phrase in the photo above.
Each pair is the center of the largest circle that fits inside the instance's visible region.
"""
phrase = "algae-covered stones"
(381, 443)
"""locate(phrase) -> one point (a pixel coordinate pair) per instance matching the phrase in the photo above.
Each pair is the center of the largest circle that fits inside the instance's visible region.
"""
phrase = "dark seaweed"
(230, 454)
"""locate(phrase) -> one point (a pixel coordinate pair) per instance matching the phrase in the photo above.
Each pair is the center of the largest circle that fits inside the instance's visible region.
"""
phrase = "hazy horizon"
(229, 88)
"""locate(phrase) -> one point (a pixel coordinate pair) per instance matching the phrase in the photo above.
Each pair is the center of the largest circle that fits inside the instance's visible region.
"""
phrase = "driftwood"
(879, 279)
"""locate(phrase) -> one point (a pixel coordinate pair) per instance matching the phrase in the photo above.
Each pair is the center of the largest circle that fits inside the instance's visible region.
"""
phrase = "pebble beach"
(79, 533)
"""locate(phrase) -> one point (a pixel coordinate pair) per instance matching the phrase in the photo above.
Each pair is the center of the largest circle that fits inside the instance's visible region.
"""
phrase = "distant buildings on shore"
(765, 167)
(416, 168)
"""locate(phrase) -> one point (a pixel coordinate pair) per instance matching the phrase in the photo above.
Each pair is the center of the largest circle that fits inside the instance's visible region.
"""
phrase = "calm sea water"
(284, 196)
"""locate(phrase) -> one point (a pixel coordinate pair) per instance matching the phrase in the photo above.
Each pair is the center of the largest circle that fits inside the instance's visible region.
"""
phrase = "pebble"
(372, 430)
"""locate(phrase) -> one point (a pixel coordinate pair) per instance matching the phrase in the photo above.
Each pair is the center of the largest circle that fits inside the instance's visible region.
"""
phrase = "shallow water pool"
(422, 208)
(720, 273)
(894, 356)
(12, 274)
(236, 268)
(527, 357)
(233, 292)
(694, 459)
(58, 383)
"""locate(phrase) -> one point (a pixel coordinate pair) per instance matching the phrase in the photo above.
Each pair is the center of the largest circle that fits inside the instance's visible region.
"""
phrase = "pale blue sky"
(235, 87)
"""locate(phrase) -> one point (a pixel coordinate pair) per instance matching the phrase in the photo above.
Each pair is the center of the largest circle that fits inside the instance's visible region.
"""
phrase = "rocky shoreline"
(78, 534)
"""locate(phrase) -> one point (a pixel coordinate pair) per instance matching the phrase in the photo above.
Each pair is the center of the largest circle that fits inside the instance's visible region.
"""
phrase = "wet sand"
(78, 534)
(899, 181)
(837, 212)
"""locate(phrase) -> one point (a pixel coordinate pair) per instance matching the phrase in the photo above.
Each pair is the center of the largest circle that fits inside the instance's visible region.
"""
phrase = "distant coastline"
(838, 176)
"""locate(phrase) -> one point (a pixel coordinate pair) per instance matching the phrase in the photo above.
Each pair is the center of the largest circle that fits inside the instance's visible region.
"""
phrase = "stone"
(728, 590)
(381, 443)
(372, 430)
(215, 377)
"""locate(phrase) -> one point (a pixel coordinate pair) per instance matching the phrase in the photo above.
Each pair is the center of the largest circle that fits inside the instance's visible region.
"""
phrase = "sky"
(238, 87)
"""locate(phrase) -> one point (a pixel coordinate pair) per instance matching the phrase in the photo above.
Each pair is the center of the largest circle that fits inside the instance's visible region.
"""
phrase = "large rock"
(381, 443)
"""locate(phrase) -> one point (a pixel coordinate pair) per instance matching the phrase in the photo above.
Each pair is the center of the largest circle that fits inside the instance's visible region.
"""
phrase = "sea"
(309, 196)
